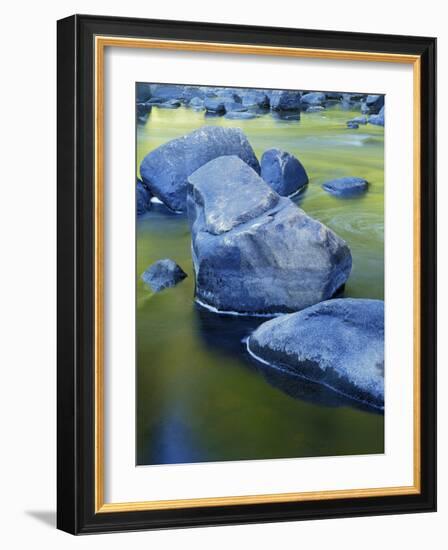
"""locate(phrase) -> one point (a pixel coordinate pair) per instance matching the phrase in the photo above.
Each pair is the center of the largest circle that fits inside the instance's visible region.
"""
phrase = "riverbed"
(200, 397)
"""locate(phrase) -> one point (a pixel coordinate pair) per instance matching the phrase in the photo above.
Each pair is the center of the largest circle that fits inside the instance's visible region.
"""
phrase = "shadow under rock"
(227, 335)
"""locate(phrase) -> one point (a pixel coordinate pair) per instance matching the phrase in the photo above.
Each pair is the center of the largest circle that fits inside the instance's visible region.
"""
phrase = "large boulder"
(255, 252)
(283, 172)
(166, 169)
(163, 274)
(346, 187)
(338, 343)
(196, 103)
(283, 100)
(142, 198)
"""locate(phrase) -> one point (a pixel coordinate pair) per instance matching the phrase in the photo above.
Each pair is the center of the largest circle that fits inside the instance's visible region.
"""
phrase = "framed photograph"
(246, 274)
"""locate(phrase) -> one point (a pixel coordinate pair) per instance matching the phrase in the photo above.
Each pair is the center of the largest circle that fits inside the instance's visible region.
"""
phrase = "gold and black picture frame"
(86, 184)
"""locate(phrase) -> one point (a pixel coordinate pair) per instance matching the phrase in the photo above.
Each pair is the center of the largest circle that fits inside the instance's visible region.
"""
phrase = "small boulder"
(352, 125)
(165, 92)
(283, 172)
(169, 104)
(255, 252)
(214, 105)
(378, 119)
(166, 169)
(282, 100)
(196, 103)
(163, 274)
(313, 98)
(142, 198)
(358, 120)
(338, 343)
(255, 99)
(346, 187)
(315, 109)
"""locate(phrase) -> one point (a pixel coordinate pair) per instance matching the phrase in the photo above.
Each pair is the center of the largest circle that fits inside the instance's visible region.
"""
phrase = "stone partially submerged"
(338, 343)
(255, 252)
(166, 169)
(163, 274)
(283, 172)
(346, 187)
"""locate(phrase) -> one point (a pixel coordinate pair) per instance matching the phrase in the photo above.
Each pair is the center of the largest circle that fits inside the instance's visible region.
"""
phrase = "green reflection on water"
(199, 398)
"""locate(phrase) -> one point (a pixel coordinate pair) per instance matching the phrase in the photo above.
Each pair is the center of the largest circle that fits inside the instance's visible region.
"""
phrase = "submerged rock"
(240, 115)
(282, 100)
(255, 252)
(346, 187)
(358, 119)
(166, 169)
(283, 172)
(338, 343)
(352, 125)
(163, 274)
(315, 109)
(142, 198)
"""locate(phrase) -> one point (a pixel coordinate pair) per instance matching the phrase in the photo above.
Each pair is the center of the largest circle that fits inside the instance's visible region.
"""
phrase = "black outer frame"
(75, 310)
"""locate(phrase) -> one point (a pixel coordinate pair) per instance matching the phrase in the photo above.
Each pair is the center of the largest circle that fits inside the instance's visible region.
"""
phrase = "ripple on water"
(363, 223)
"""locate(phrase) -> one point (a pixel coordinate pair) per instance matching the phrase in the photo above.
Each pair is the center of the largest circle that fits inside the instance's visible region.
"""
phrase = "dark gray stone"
(346, 187)
(255, 252)
(285, 100)
(352, 125)
(166, 169)
(338, 343)
(163, 274)
(283, 172)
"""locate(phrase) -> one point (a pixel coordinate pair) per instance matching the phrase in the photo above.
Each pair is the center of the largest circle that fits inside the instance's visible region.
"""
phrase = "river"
(199, 396)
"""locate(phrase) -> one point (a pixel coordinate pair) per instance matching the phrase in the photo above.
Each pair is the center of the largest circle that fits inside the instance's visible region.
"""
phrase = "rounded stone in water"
(338, 343)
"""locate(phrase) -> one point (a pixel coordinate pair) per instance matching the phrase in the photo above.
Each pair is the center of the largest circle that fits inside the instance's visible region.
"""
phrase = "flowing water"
(199, 396)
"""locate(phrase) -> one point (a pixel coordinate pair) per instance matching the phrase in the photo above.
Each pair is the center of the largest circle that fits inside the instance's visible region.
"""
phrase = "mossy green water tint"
(200, 395)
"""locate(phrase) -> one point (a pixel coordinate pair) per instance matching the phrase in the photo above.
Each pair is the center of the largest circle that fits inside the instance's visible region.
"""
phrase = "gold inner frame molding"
(101, 42)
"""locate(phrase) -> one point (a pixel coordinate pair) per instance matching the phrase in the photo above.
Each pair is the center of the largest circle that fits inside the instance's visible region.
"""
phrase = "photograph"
(259, 273)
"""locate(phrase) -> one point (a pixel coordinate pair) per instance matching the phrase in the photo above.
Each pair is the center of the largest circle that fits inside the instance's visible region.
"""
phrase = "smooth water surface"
(199, 396)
